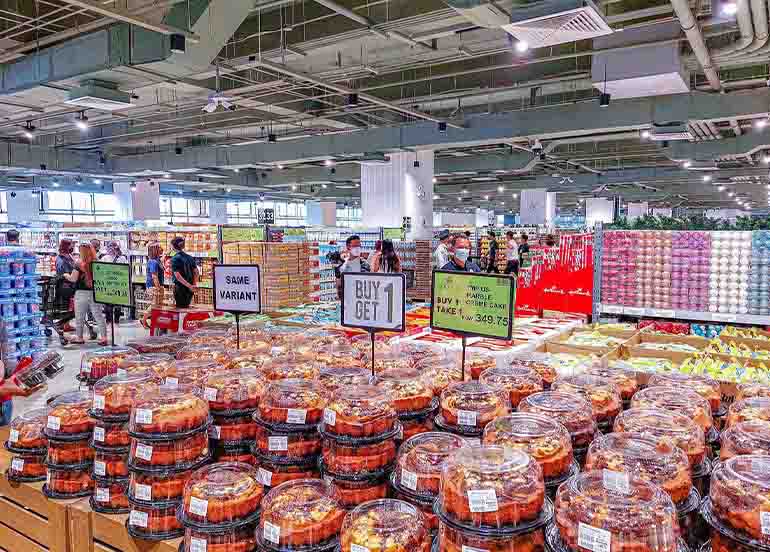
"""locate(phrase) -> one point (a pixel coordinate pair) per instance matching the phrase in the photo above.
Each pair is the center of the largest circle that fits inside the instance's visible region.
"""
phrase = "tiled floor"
(71, 354)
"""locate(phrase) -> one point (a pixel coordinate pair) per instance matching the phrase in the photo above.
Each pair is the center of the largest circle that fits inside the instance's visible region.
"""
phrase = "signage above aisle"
(242, 234)
(265, 216)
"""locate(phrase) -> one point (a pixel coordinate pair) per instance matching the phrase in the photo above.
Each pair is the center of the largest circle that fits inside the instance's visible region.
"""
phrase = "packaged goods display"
(359, 411)
(65, 483)
(421, 459)
(287, 443)
(472, 405)
(273, 474)
(520, 382)
(94, 365)
(354, 491)
(26, 432)
(114, 395)
(759, 288)
(168, 410)
(110, 496)
(478, 363)
(70, 453)
(440, 373)
(300, 514)
(158, 365)
(748, 390)
(178, 453)
(409, 391)
(340, 458)
(68, 416)
(27, 467)
(111, 434)
(234, 391)
(157, 486)
(110, 464)
(292, 366)
(384, 526)
(622, 514)
(625, 380)
(452, 539)
(241, 539)
(293, 402)
(552, 365)
(233, 453)
(755, 408)
(572, 411)
(594, 340)
(191, 372)
(154, 522)
(751, 437)
(220, 494)
(602, 393)
(232, 430)
(201, 351)
(706, 387)
(676, 399)
(248, 361)
(332, 378)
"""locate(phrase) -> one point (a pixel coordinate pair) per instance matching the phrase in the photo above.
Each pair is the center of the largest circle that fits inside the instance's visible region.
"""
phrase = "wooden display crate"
(94, 532)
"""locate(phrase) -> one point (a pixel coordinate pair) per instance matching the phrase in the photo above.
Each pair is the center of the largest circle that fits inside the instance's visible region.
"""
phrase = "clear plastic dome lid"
(659, 462)
(216, 353)
(476, 363)
(440, 373)
(304, 512)
(752, 437)
(234, 390)
(184, 452)
(473, 404)
(620, 512)
(341, 458)
(754, 408)
(363, 344)
(740, 493)
(551, 365)
(624, 379)
(359, 411)
(602, 393)
(421, 459)
(114, 395)
(293, 401)
(222, 492)
(676, 399)
(665, 426)
(169, 409)
(160, 364)
(339, 353)
(292, 366)
(249, 360)
(334, 377)
(68, 413)
(704, 386)
(518, 381)
(409, 391)
(193, 371)
(385, 525)
(168, 344)
(544, 439)
(240, 539)
(748, 390)
(572, 411)
(388, 361)
(495, 486)
(26, 430)
(101, 362)
(212, 336)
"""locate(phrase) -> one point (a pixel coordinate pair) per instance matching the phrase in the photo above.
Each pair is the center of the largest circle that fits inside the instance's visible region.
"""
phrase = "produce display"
(594, 339)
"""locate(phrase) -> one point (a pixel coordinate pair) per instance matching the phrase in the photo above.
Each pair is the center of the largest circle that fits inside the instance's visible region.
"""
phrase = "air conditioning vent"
(480, 12)
(670, 132)
(100, 95)
(555, 22)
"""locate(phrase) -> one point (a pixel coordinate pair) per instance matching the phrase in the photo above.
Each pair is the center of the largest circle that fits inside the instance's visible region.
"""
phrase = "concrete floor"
(71, 355)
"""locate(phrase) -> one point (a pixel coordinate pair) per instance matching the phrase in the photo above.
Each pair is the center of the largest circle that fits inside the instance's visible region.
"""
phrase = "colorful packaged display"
(473, 404)
(110, 496)
(154, 522)
(340, 458)
(94, 365)
(359, 411)
(755, 408)
(70, 453)
(27, 467)
(111, 434)
(292, 367)
(26, 432)
(115, 395)
(64, 483)
(234, 390)
(290, 445)
(179, 453)
(159, 365)
(240, 539)
(676, 399)
(706, 387)
(332, 378)
(421, 459)
(220, 494)
(293, 402)
(407, 388)
(165, 344)
(625, 380)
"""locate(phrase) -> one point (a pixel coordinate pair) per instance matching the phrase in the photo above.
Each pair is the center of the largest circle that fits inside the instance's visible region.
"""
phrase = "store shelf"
(196, 254)
(687, 315)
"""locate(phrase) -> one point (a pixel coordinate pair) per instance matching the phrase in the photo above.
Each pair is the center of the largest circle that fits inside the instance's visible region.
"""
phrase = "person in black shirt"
(492, 260)
(524, 249)
(185, 273)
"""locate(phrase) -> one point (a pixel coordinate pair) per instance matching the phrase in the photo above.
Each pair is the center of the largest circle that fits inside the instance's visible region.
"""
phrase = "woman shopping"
(155, 276)
(83, 279)
(386, 260)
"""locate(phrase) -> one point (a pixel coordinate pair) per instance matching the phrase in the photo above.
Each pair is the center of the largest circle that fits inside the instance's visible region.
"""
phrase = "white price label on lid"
(102, 495)
(198, 545)
(143, 416)
(138, 519)
(409, 479)
(483, 500)
(17, 465)
(616, 482)
(54, 423)
(98, 402)
(48, 477)
(210, 394)
(472, 549)
(143, 451)
(593, 538)
(358, 548)
(296, 416)
(14, 436)
(215, 432)
(466, 417)
(100, 468)
(277, 444)
(764, 519)
(143, 492)
(265, 477)
(171, 381)
(271, 533)
(198, 506)
(330, 417)
(99, 434)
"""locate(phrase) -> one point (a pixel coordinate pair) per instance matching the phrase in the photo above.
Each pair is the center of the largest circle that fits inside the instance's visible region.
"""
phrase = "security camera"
(13, 194)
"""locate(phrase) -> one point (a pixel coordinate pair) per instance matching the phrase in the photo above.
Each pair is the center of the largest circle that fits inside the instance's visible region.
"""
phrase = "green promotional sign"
(473, 304)
(112, 284)
(392, 233)
(232, 234)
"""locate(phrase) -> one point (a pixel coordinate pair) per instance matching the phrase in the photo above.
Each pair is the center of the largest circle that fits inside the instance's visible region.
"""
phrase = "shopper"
(114, 254)
(97, 245)
(12, 237)
(185, 272)
(65, 290)
(511, 254)
(352, 255)
(524, 250)
(550, 241)
(155, 276)
(441, 254)
(386, 260)
(492, 255)
(461, 249)
(83, 279)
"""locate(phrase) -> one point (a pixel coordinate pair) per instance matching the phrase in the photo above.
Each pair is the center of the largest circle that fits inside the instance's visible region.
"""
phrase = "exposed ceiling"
(319, 87)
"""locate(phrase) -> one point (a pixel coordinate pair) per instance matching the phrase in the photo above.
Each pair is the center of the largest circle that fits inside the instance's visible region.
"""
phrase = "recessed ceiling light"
(645, 134)
(435, 198)
(729, 8)
(97, 180)
(55, 184)
(293, 188)
(721, 188)
(486, 198)
(465, 191)
(730, 194)
(687, 164)
(515, 196)
(435, 180)
(229, 190)
(522, 46)
(323, 186)
(760, 123)
(500, 189)
(329, 162)
(706, 178)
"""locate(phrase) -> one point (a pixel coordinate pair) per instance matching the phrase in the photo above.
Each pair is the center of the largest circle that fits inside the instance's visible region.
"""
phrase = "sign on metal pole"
(237, 290)
(112, 286)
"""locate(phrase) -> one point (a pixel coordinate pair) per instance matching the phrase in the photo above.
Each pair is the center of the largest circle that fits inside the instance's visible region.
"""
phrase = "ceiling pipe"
(743, 17)
(759, 44)
(697, 42)
(360, 19)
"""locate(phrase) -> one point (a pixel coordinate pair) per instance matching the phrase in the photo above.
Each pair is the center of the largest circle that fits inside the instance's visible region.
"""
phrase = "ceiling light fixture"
(293, 187)
(706, 178)
(229, 190)
(500, 189)
(729, 8)
(766, 159)
(82, 121)
(515, 196)
(687, 164)
(29, 131)
(721, 188)
(731, 194)
(465, 191)
(435, 180)
(486, 198)
(132, 187)
(323, 186)
(522, 46)
(760, 123)
(436, 198)
(55, 184)
(236, 170)
(645, 134)
(97, 180)
(329, 162)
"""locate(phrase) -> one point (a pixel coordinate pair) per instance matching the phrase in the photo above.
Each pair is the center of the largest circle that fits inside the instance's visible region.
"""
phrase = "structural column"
(399, 191)
(538, 206)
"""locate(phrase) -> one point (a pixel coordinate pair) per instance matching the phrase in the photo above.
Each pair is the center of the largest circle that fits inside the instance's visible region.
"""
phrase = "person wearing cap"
(442, 254)
(185, 272)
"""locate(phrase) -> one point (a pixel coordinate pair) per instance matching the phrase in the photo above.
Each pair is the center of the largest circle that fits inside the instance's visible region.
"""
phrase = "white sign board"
(373, 301)
(236, 288)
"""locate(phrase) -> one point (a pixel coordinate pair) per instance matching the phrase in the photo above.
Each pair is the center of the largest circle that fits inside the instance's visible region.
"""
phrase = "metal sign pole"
(237, 331)
(112, 325)
(371, 335)
(463, 359)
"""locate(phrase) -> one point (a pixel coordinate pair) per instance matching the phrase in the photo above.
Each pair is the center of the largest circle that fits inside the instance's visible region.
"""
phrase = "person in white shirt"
(353, 261)
(442, 254)
(511, 254)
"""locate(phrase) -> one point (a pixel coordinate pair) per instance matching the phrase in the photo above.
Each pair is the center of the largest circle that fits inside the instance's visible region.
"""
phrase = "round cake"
(665, 427)
(94, 365)
(544, 439)
(235, 453)
(175, 452)
(306, 512)
(201, 351)
(154, 521)
(740, 494)
(415, 426)
(748, 390)
(625, 380)
(221, 493)
(240, 539)
(332, 378)
(356, 459)
(359, 411)
(676, 399)
(63, 453)
(293, 401)
(546, 364)
(68, 414)
(519, 382)
(164, 344)
(572, 411)
(26, 430)
(158, 486)
(249, 360)
(635, 516)
(110, 434)
(234, 390)
(754, 408)
(192, 372)
(704, 386)
(168, 410)
(384, 526)
(110, 464)
(478, 363)
(473, 404)
(159, 365)
(69, 481)
(210, 336)
(273, 474)
(752, 437)
(291, 367)
(233, 428)
(298, 445)
(115, 395)
(491, 486)
(27, 466)
(356, 492)
(456, 540)
(602, 393)
(440, 374)
(410, 393)
(421, 459)
(111, 495)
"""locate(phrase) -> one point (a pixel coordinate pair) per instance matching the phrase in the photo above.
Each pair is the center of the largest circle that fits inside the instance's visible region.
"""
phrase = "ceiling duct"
(554, 22)
(670, 132)
(481, 13)
(101, 95)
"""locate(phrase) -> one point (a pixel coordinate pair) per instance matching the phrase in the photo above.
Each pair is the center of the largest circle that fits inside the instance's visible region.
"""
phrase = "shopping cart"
(57, 308)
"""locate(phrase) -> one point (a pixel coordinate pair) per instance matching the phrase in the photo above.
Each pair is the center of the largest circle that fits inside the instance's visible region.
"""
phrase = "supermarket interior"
(384, 276)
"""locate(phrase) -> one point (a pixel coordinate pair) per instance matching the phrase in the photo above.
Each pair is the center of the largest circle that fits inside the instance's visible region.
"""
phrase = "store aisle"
(71, 354)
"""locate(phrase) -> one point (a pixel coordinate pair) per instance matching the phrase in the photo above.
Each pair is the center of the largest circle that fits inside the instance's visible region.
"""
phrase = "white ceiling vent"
(481, 12)
(94, 94)
(556, 22)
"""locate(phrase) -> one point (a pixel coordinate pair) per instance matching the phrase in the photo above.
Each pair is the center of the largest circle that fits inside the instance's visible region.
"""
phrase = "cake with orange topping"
(384, 526)
(473, 404)
(519, 382)
(359, 411)
(222, 493)
(168, 410)
(293, 401)
(421, 459)
(602, 393)
(407, 388)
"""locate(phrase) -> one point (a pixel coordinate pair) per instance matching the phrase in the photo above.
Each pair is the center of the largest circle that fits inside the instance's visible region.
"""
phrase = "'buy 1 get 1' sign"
(373, 301)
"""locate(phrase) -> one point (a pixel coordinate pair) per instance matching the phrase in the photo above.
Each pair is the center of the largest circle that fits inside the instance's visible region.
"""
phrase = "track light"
(353, 100)
(82, 121)
(442, 126)
(329, 162)
(687, 164)
(760, 124)
(706, 178)
(729, 8)
(29, 131)
(645, 134)
(604, 100)
(132, 187)
(272, 138)
(229, 190)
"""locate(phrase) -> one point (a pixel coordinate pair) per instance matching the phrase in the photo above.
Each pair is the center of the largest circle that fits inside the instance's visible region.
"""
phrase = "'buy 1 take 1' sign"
(373, 301)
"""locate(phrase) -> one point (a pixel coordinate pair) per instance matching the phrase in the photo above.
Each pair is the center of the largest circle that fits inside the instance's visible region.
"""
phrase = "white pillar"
(313, 213)
(401, 188)
(23, 206)
(142, 203)
(217, 211)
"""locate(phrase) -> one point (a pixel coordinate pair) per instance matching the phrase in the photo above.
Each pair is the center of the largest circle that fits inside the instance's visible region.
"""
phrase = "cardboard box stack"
(423, 271)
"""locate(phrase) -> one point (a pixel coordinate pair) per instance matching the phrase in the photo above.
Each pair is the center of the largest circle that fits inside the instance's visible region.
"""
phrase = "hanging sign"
(374, 301)
(237, 288)
(112, 283)
(473, 304)
(265, 216)
(232, 234)
(393, 234)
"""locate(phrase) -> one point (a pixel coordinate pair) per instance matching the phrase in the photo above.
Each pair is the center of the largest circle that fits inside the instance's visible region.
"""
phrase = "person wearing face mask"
(459, 262)
(352, 255)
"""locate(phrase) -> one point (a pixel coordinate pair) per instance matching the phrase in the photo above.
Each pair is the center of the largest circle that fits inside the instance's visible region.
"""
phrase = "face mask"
(355, 251)
(462, 254)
